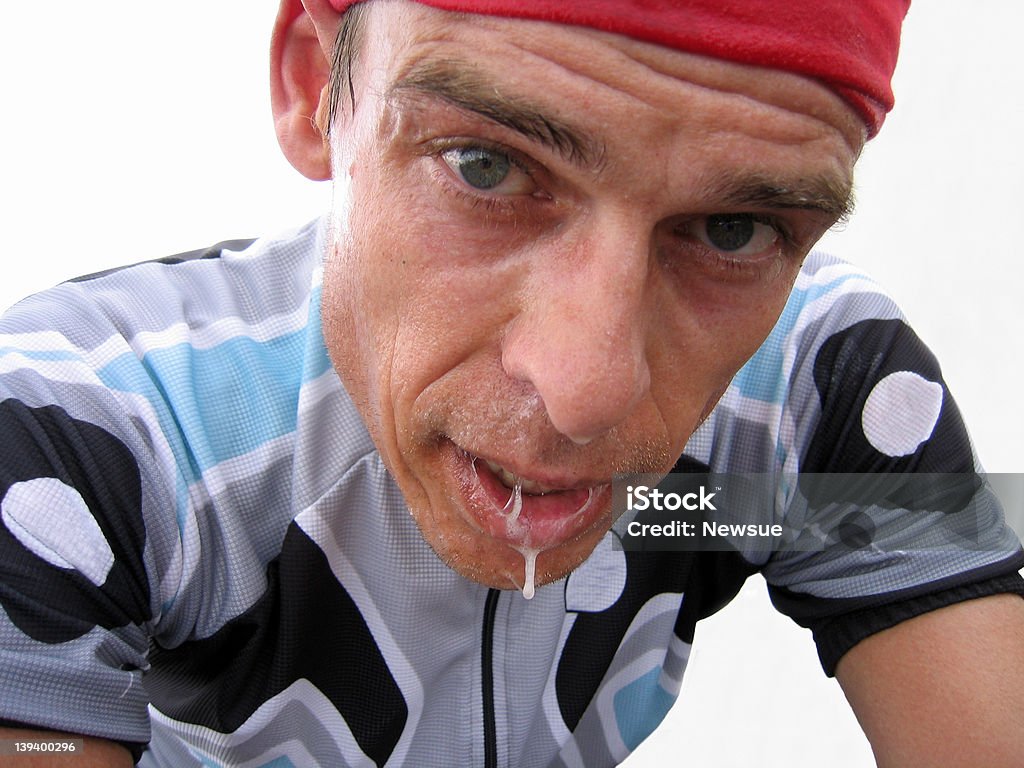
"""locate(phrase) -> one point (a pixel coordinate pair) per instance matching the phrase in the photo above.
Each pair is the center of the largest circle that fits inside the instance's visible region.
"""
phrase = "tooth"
(510, 480)
(535, 488)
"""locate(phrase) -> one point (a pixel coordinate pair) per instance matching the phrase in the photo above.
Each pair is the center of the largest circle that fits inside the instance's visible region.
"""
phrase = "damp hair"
(346, 49)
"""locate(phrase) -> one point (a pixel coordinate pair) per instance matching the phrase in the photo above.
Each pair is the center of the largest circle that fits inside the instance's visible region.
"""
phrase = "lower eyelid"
(759, 267)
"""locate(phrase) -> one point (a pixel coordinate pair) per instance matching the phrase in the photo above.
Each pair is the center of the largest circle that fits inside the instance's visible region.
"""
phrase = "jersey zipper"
(487, 677)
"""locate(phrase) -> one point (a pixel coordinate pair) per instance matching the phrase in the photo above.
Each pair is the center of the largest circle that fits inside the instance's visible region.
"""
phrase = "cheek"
(707, 332)
(362, 302)
(404, 307)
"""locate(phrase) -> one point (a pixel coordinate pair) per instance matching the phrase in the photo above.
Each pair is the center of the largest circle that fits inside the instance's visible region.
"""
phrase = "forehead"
(659, 126)
(532, 57)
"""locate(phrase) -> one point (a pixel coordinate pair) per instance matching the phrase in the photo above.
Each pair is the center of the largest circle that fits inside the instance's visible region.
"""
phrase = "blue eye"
(480, 168)
(729, 232)
(741, 234)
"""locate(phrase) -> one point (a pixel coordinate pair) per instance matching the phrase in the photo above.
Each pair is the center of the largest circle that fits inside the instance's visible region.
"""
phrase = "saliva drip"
(514, 505)
(530, 572)
(512, 509)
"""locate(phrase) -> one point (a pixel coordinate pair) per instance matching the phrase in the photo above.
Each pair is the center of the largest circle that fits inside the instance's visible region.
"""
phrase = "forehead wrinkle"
(665, 71)
(461, 85)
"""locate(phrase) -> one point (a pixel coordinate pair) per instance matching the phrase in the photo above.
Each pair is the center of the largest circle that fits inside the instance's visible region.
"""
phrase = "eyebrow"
(459, 85)
(822, 193)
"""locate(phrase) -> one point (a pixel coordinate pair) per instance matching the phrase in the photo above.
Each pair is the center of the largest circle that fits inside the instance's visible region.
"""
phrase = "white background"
(133, 130)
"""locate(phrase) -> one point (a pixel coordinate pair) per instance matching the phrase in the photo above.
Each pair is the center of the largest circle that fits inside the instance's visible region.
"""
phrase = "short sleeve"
(887, 513)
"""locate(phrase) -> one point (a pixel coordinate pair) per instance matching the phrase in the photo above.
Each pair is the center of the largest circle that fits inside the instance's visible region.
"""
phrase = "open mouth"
(528, 513)
(520, 488)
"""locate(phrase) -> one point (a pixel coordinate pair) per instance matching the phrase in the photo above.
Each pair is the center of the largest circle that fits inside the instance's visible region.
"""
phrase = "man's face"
(553, 249)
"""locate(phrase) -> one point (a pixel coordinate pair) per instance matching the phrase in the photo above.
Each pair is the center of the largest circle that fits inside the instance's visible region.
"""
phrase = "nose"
(579, 338)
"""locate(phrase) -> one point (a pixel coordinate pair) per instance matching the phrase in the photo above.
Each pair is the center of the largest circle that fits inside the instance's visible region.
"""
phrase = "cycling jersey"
(203, 556)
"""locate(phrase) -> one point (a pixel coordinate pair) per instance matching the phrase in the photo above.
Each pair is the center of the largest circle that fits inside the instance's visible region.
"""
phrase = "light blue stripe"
(206, 761)
(762, 377)
(640, 707)
(277, 762)
(125, 374)
(317, 363)
(232, 398)
(280, 762)
(219, 403)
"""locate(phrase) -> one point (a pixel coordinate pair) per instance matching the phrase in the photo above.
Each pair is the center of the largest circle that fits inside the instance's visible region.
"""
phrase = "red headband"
(849, 45)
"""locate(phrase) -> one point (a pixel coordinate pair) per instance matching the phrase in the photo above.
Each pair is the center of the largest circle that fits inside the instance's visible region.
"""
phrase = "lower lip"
(545, 520)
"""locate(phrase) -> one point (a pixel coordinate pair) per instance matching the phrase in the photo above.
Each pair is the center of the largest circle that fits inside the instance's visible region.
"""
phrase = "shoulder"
(250, 279)
(773, 404)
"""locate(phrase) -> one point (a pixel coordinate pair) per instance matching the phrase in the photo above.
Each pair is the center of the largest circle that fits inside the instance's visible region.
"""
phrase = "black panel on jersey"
(317, 634)
(595, 637)
(52, 604)
(213, 252)
(708, 579)
(848, 367)
(715, 579)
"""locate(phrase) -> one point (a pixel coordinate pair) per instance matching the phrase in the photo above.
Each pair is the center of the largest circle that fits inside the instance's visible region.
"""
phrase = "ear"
(300, 55)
